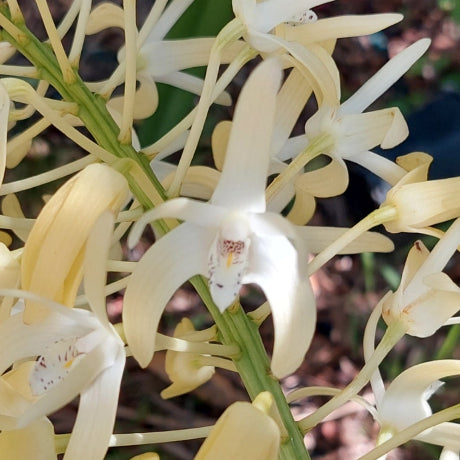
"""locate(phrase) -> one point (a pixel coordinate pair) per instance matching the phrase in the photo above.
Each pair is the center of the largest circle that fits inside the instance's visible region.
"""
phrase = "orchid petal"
(391, 72)
(361, 132)
(199, 182)
(171, 261)
(273, 262)
(330, 180)
(292, 147)
(244, 174)
(318, 238)
(196, 212)
(404, 401)
(291, 100)
(340, 27)
(169, 17)
(104, 16)
(382, 167)
(96, 414)
(219, 141)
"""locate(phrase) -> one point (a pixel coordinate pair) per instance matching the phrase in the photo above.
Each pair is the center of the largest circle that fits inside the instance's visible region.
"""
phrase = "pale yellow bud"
(53, 253)
(245, 432)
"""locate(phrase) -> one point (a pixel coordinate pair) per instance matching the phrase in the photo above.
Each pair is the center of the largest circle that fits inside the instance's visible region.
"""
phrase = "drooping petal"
(170, 262)
(273, 266)
(243, 180)
(96, 414)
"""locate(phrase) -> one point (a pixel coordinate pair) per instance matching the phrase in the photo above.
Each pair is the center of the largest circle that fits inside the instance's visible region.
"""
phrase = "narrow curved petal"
(318, 238)
(244, 174)
(196, 212)
(104, 16)
(96, 414)
(175, 258)
(391, 72)
(382, 167)
(191, 84)
(199, 181)
(273, 266)
(405, 400)
(340, 27)
(219, 142)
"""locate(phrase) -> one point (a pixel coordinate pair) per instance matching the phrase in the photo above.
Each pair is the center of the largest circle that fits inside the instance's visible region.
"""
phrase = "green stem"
(253, 366)
(234, 325)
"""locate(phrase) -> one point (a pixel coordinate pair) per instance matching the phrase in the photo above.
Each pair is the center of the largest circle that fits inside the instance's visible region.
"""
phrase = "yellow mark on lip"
(229, 259)
(68, 364)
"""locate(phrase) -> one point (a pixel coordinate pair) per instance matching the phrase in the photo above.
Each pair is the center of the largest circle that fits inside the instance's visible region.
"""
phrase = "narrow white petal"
(191, 84)
(169, 17)
(390, 73)
(243, 180)
(175, 258)
(96, 415)
(196, 212)
(273, 266)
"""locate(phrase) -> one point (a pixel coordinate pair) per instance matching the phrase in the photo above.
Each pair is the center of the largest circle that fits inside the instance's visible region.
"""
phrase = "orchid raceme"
(244, 431)
(79, 353)
(405, 403)
(53, 254)
(231, 240)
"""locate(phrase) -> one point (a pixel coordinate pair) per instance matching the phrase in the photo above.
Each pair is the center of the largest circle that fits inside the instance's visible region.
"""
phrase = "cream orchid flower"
(231, 240)
(344, 132)
(158, 60)
(405, 403)
(79, 352)
(426, 297)
(244, 431)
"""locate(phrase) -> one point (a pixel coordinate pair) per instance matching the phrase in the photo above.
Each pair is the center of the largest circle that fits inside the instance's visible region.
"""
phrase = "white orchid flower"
(405, 402)
(231, 240)
(78, 352)
(355, 133)
(426, 298)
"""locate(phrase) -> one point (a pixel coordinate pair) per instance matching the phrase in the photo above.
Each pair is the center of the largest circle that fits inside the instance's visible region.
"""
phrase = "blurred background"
(348, 287)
